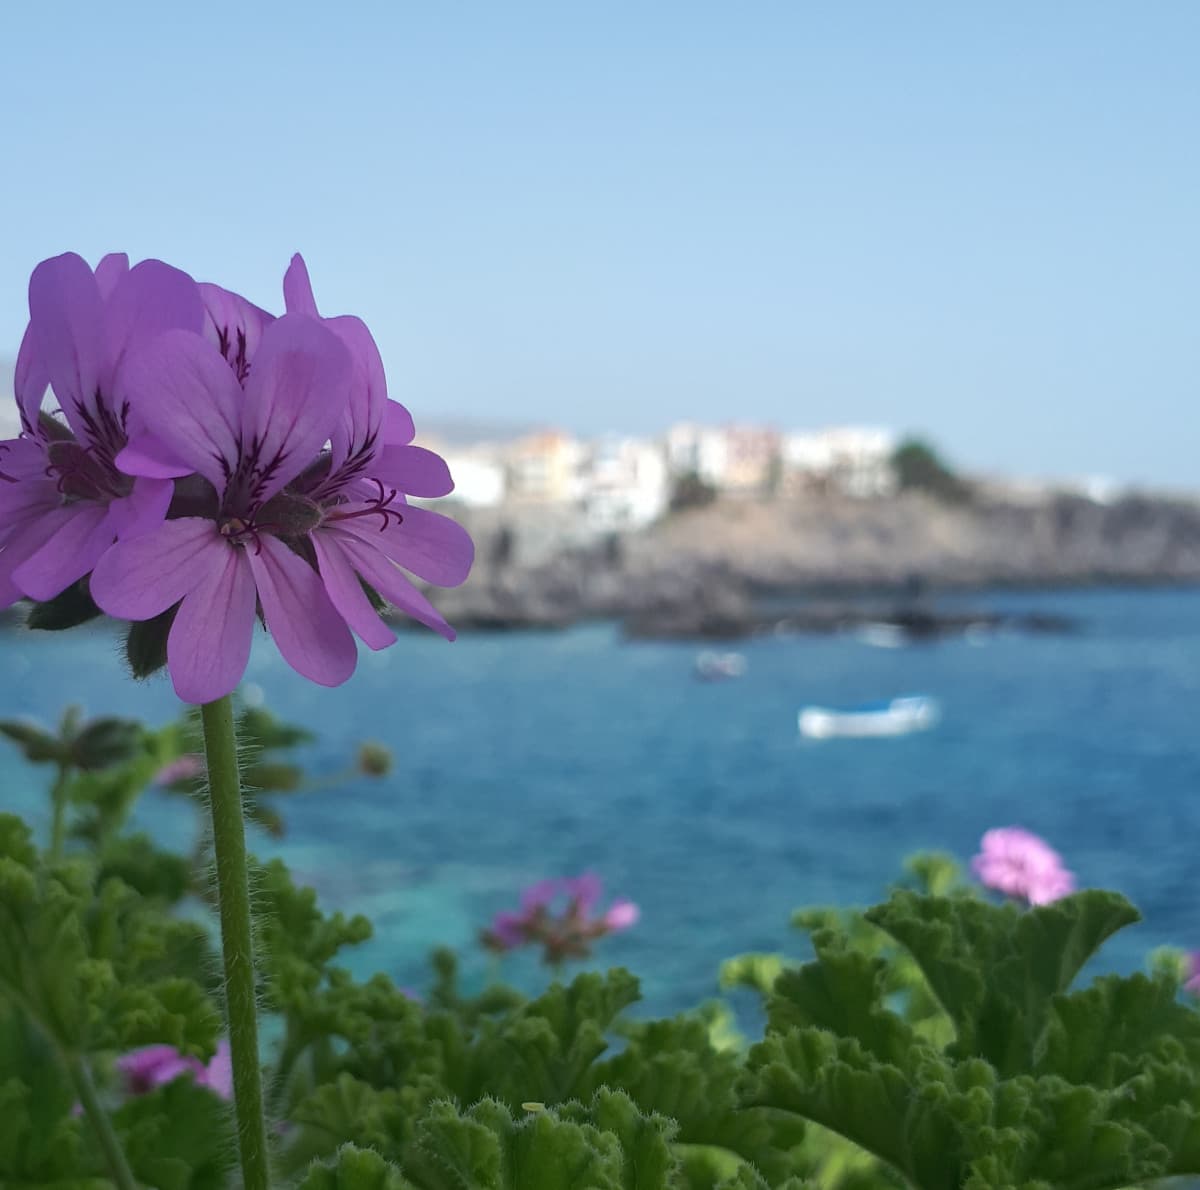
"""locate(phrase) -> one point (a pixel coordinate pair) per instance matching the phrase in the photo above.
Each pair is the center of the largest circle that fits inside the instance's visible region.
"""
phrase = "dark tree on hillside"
(918, 466)
(690, 491)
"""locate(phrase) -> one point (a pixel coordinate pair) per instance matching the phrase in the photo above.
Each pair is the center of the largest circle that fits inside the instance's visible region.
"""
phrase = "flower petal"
(189, 400)
(146, 454)
(30, 381)
(233, 326)
(412, 470)
(208, 647)
(150, 298)
(307, 628)
(398, 428)
(110, 270)
(432, 546)
(22, 501)
(66, 316)
(297, 289)
(390, 581)
(346, 593)
(360, 427)
(143, 576)
(296, 394)
(19, 546)
(75, 538)
(143, 509)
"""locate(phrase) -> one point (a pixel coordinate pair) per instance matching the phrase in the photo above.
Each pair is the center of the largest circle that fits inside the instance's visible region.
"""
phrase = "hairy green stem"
(114, 1155)
(237, 943)
(58, 825)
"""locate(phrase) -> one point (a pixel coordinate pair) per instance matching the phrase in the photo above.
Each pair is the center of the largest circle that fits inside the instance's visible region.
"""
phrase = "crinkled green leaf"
(41, 1142)
(995, 968)
(486, 1149)
(93, 964)
(755, 971)
(647, 1161)
(671, 1068)
(353, 1168)
(178, 1137)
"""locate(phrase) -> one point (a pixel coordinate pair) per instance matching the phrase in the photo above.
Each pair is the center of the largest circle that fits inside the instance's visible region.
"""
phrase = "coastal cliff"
(711, 563)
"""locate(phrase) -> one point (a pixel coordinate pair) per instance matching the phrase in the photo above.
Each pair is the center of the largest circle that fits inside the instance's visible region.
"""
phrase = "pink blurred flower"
(1192, 983)
(621, 915)
(560, 916)
(156, 1065)
(1019, 864)
(183, 769)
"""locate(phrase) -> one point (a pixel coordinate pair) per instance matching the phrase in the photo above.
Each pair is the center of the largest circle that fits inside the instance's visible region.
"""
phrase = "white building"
(625, 485)
(545, 468)
(850, 459)
(479, 481)
(702, 451)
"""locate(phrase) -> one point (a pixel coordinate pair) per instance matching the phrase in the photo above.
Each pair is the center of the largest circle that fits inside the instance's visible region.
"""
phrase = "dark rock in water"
(690, 623)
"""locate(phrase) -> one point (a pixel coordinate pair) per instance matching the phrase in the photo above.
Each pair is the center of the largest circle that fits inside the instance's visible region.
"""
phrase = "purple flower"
(621, 915)
(63, 500)
(186, 768)
(1192, 982)
(507, 931)
(1019, 864)
(156, 1065)
(560, 916)
(367, 528)
(247, 445)
(273, 519)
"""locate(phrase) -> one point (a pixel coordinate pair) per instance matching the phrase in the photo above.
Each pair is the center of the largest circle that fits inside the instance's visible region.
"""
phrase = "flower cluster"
(560, 916)
(1019, 864)
(152, 1067)
(211, 464)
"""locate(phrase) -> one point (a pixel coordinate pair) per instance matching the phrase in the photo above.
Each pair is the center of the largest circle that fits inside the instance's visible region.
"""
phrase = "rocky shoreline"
(817, 564)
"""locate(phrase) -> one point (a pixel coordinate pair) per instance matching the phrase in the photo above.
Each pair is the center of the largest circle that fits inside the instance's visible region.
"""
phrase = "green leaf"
(647, 1161)
(354, 1169)
(72, 607)
(273, 777)
(755, 971)
(485, 1149)
(842, 992)
(105, 742)
(94, 965)
(37, 745)
(179, 1137)
(41, 1143)
(258, 728)
(995, 969)
(347, 1109)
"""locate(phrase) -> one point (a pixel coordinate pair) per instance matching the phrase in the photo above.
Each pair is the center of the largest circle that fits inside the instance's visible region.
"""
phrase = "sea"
(525, 755)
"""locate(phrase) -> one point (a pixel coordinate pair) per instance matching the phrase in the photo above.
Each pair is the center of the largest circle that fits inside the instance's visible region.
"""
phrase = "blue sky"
(975, 220)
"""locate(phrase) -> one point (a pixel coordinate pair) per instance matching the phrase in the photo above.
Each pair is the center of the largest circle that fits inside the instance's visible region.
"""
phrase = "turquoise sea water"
(521, 756)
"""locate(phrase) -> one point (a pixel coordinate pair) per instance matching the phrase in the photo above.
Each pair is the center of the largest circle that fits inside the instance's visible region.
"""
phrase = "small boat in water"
(882, 635)
(899, 716)
(719, 667)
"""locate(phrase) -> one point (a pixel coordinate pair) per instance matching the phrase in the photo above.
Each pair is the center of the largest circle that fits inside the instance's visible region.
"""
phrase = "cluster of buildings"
(618, 483)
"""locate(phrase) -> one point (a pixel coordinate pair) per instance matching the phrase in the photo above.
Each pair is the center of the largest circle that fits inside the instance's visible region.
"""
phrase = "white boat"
(717, 667)
(882, 636)
(900, 716)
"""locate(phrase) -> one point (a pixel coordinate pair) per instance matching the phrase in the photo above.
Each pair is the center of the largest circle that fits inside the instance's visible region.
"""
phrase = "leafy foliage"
(933, 1041)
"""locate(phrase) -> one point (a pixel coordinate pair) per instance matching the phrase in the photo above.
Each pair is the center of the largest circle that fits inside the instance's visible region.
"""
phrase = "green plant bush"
(934, 1041)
